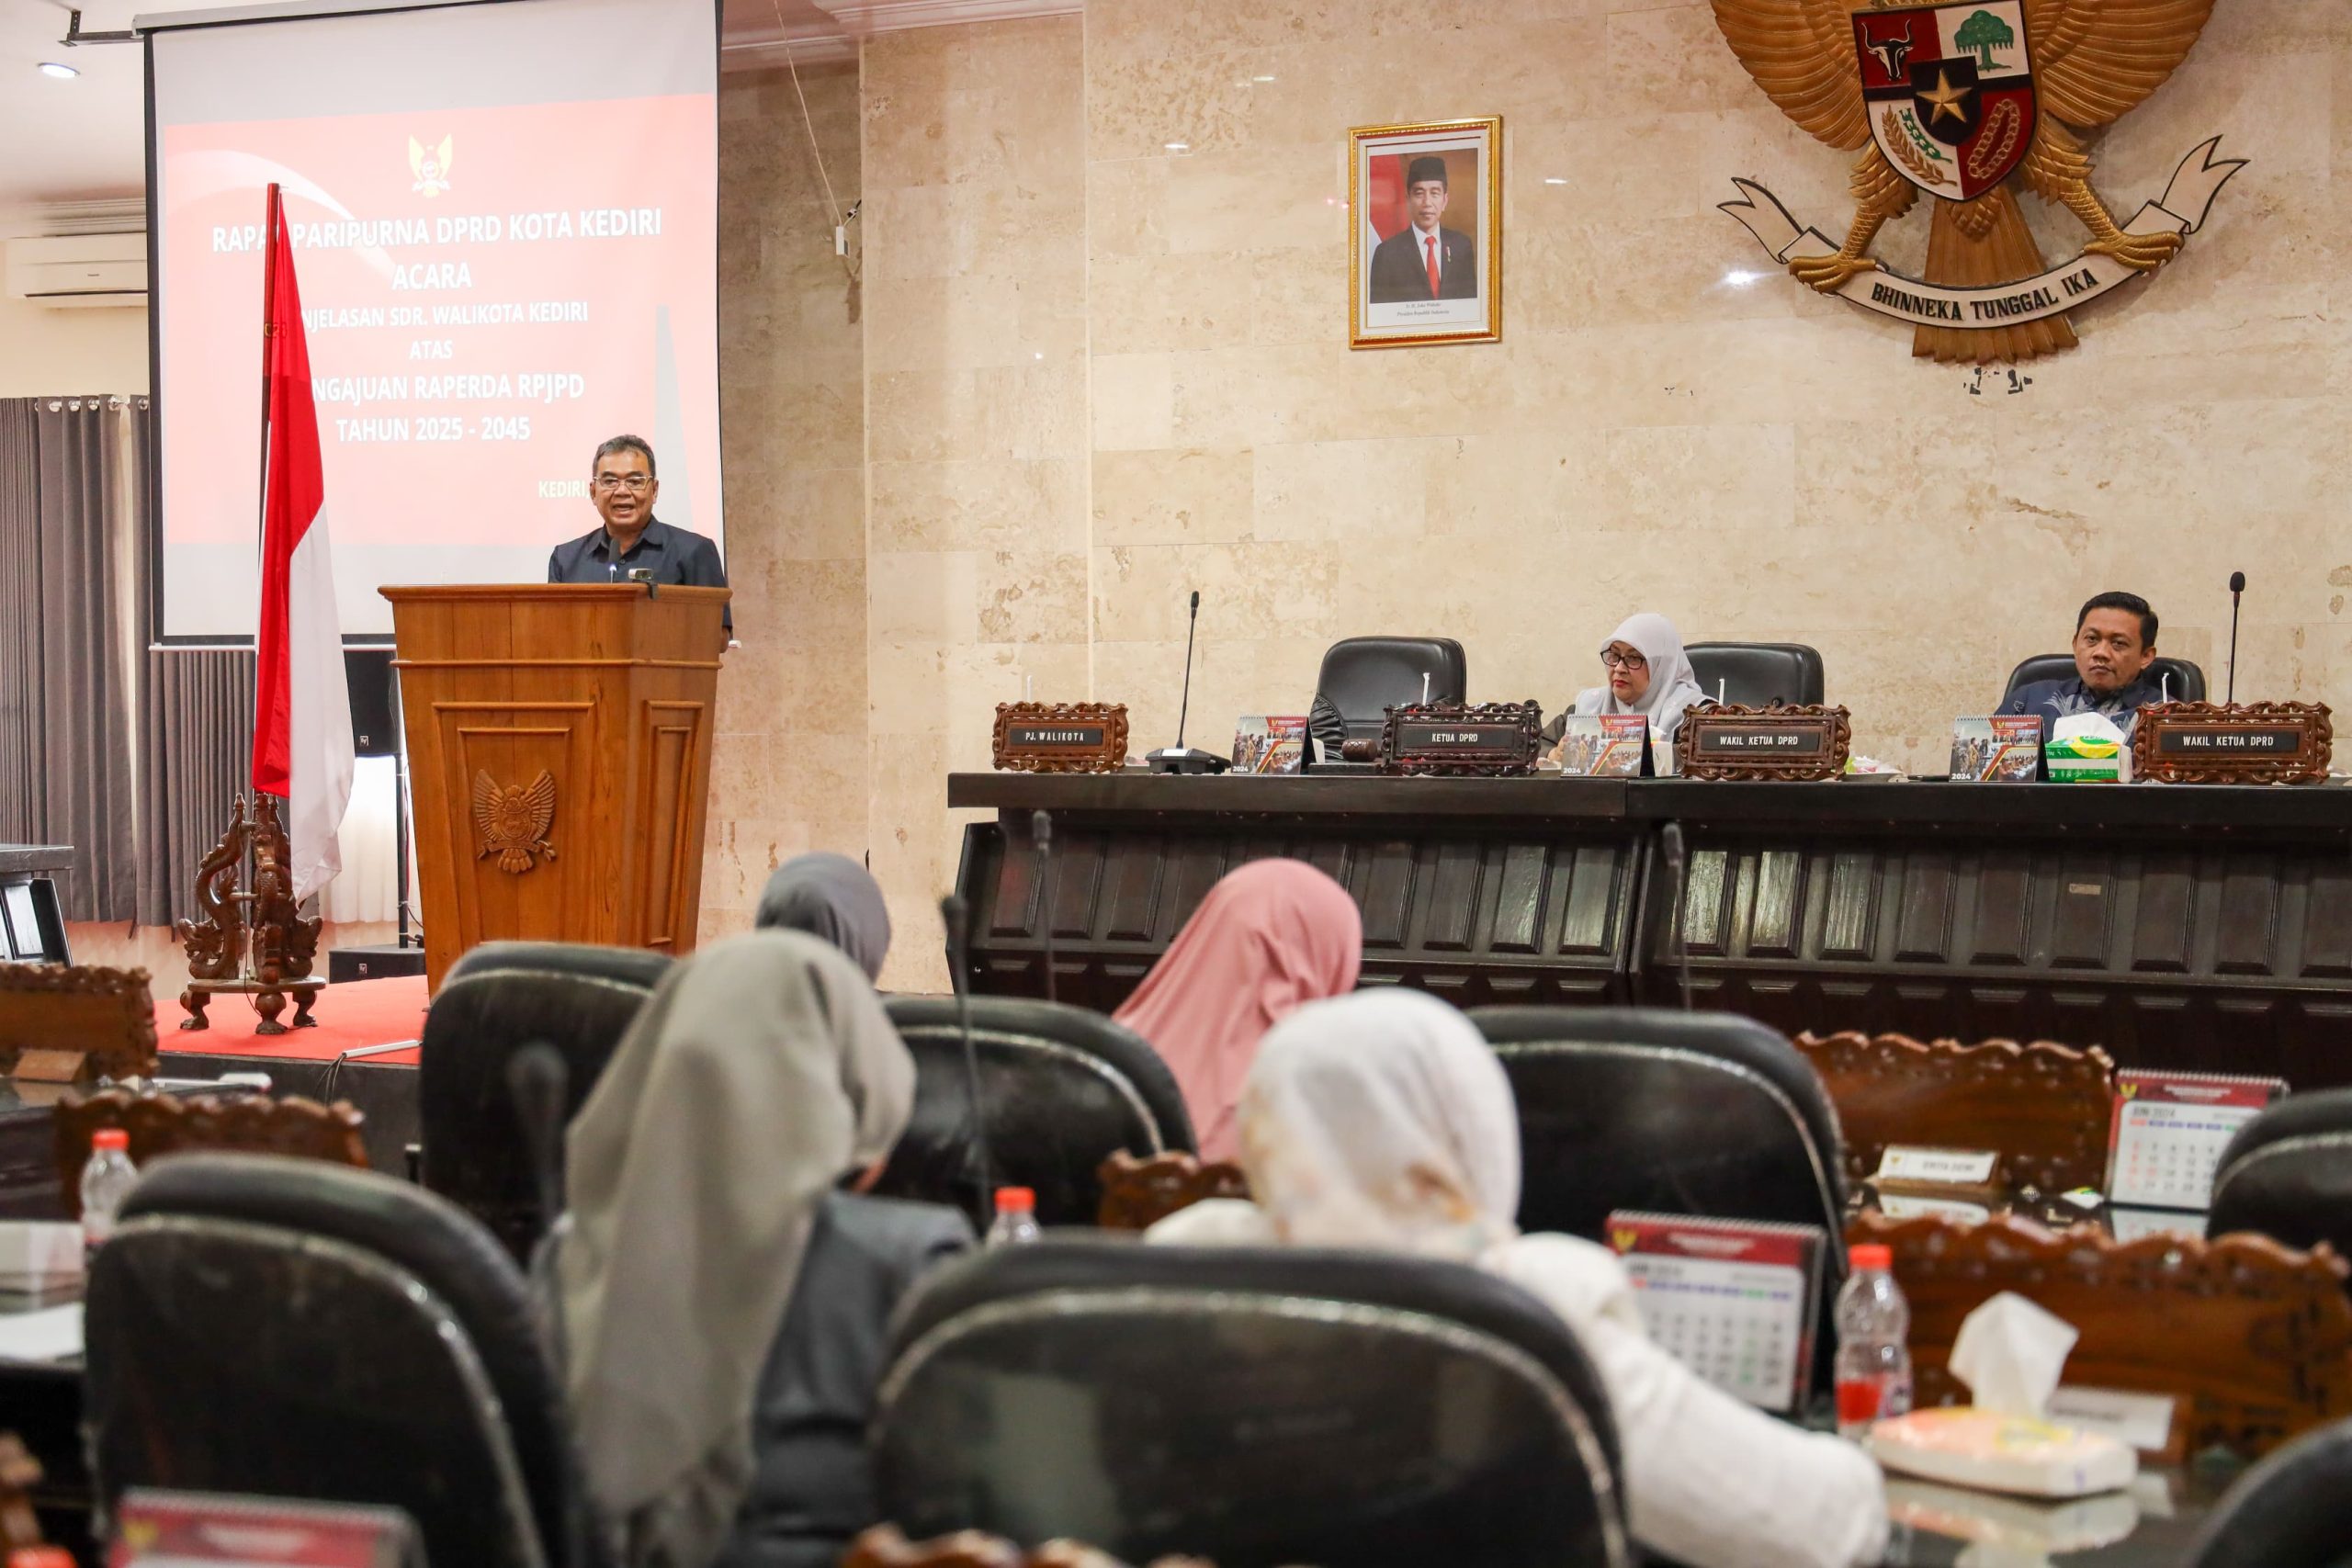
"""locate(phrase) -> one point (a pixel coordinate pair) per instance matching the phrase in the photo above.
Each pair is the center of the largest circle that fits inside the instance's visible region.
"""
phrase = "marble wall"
(1105, 363)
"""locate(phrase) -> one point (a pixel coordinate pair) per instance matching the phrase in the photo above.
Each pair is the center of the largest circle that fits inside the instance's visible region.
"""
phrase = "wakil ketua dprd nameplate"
(1736, 1300)
(1606, 746)
(1782, 741)
(2233, 743)
(2169, 1131)
(2004, 749)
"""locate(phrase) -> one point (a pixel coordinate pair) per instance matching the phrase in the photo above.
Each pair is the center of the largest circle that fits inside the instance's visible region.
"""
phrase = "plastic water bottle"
(1016, 1217)
(108, 1178)
(1873, 1343)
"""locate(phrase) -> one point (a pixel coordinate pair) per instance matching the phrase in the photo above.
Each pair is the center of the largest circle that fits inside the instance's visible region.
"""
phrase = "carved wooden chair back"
(162, 1124)
(2251, 1339)
(1139, 1193)
(885, 1547)
(53, 1014)
(2043, 1109)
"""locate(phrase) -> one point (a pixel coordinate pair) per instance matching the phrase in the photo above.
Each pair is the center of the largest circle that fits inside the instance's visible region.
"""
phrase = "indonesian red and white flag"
(303, 709)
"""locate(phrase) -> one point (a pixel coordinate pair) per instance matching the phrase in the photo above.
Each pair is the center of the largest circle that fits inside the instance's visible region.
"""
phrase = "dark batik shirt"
(2054, 700)
(671, 555)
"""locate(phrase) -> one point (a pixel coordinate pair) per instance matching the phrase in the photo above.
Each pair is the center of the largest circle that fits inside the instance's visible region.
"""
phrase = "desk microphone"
(1179, 758)
(1678, 877)
(957, 916)
(2237, 586)
(1041, 829)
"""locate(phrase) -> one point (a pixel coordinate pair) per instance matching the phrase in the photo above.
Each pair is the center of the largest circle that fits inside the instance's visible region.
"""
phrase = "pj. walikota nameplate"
(2233, 743)
(1783, 741)
(1447, 739)
(1060, 737)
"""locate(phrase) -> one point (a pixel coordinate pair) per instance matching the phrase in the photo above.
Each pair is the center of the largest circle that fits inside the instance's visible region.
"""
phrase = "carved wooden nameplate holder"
(885, 1547)
(1060, 737)
(160, 1125)
(62, 1024)
(1139, 1193)
(2251, 1339)
(2043, 1109)
(1490, 741)
(1785, 741)
(2233, 743)
(254, 940)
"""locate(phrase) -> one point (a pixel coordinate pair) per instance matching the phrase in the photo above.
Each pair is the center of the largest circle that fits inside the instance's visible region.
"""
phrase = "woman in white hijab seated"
(722, 1306)
(1645, 670)
(1383, 1121)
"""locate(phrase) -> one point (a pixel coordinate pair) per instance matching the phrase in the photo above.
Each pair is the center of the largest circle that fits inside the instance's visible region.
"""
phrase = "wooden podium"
(558, 742)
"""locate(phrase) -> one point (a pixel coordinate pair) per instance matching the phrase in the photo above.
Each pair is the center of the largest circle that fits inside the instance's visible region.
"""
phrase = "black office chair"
(1363, 677)
(1256, 1406)
(1065, 1090)
(1755, 674)
(2295, 1508)
(1702, 1113)
(496, 999)
(281, 1328)
(2287, 1174)
(2187, 680)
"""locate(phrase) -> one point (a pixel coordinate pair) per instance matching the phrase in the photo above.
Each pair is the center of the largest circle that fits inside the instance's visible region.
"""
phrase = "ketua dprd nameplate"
(1060, 737)
(1490, 741)
(1783, 741)
(2233, 743)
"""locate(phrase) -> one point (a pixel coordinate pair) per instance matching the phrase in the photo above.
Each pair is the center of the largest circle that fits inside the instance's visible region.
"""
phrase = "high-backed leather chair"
(496, 999)
(2287, 1174)
(1677, 1112)
(283, 1328)
(1065, 1090)
(2295, 1506)
(1364, 676)
(1255, 1406)
(2187, 680)
(1755, 674)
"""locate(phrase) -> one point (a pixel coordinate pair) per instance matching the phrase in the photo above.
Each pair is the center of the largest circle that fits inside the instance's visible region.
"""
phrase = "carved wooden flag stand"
(251, 940)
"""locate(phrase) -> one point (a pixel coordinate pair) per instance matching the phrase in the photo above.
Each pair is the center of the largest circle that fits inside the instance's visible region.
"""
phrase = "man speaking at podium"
(632, 541)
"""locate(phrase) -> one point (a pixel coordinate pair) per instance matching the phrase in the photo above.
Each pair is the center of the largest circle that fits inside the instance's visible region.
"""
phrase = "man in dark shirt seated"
(2115, 643)
(632, 539)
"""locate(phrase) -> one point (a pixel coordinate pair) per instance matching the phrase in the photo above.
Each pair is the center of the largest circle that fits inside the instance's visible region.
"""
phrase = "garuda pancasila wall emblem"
(1954, 101)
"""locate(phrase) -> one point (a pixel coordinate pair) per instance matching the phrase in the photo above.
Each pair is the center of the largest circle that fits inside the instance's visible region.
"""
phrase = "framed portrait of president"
(1425, 246)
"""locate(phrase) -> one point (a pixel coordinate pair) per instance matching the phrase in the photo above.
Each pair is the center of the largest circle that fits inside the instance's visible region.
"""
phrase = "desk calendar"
(1736, 1300)
(2170, 1128)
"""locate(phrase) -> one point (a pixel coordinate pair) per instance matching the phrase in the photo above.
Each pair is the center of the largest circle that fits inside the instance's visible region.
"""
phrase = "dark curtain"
(197, 750)
(23, 798)
(75, 685)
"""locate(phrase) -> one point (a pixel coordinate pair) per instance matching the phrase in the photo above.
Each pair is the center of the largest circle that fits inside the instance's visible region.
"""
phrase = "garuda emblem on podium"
(512, 820)
(1953, 100)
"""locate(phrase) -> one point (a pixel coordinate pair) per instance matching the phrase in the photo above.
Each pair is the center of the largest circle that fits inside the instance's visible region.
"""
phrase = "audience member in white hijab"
(1645, 670)
(723, 1308)
(1383, 1121)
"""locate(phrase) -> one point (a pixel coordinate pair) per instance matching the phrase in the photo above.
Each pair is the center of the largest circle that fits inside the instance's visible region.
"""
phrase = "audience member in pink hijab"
(1270, 938)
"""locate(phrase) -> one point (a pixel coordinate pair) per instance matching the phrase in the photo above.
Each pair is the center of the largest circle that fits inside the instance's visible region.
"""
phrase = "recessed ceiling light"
(1554, 180)
(1262, 78)
(62, 73)
(1178, 146)
(1740, 279)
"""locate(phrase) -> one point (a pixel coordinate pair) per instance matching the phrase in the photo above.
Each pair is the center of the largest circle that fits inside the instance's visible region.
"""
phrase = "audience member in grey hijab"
(831, 897)
(725, 1304)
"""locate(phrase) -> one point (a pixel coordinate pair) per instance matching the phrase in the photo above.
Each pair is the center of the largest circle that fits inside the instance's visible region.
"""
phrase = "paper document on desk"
(51, 1334)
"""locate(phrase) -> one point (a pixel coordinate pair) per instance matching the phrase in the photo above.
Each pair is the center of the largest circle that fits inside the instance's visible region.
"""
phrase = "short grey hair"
(635, 444)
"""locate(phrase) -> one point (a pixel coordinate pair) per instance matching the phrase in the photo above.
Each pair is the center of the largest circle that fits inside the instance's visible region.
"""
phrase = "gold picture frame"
(1452, 290)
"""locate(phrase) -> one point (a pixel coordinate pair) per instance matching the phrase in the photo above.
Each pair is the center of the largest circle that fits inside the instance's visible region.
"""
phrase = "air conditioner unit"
(79, 269)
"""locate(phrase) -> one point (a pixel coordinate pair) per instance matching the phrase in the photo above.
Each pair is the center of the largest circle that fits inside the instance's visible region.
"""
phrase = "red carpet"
(356, 1013)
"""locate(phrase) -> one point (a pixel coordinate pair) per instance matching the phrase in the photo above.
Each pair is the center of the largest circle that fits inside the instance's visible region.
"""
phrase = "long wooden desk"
(2205, 927)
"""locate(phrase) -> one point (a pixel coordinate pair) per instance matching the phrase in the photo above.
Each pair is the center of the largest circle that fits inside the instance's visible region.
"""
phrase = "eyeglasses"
(1613, 659)
(637, 484)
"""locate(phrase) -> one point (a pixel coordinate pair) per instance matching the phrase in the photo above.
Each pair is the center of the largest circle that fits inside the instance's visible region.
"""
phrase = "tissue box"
(2082, 759)
(1968, 1447)
(38, 1255)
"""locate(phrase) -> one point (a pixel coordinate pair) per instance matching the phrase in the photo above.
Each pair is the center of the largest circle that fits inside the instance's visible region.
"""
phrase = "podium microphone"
(2237, 586)
(957, 916)
(1179, 758)
(1677, 877)
(1041, 831)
